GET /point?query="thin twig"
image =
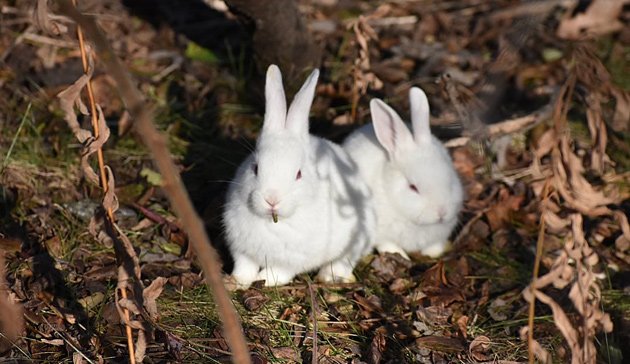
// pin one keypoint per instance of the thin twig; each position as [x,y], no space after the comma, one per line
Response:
[314,310]
[101,167]
[539,252]
[173,186]
[68,341]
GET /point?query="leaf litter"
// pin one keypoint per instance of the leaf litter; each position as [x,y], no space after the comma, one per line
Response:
[469,306]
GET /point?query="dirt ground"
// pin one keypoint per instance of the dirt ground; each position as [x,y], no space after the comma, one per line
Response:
[532,99]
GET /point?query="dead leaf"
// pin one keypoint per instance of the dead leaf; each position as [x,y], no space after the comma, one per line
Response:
[150,295]
[501,213]
[601,17]
[42,19]
[67,99]
[434,315]
[254,299]
[141,346]
[462,325]
[499,309]
[479,347]
[442,344]
[370,305]
[388,267]
[621,118]
[92,146]
[377,347]
[541,353]
[286,353]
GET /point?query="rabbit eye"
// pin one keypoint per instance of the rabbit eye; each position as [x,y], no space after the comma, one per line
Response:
[255,169]
[413,188]
[298,175]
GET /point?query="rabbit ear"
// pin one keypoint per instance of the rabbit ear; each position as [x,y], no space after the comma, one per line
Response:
[419,115]
[275,101]
[390,130]
[297,118]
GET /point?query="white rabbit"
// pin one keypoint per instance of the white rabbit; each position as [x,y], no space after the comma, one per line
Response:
[417,192]
[297,203]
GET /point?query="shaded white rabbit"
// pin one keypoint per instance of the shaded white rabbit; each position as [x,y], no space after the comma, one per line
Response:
[297,203]
[416,190]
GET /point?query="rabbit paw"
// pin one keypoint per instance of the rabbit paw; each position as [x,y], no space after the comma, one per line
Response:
[393,249]
[337,272]
[274,276]
[436,250]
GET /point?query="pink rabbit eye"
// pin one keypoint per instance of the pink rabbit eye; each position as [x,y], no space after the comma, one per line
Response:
[298,175]
[255,169]
[413,188]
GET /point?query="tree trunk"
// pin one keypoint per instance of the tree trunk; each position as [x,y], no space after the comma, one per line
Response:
[279,36]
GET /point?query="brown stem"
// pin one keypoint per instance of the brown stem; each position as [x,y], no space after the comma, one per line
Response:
[101,168]
[173,186]
[539,252]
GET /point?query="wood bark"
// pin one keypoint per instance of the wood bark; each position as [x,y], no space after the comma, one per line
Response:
[279,36]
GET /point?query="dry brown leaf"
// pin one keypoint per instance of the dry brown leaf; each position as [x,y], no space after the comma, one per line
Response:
[42,19]
[150,295]
[110,200]
[254,299]
[141,346]
[377,347]
[541,353]
[621,119]
[554,222]
[478,348]
[563,323]
[547,141]
[67,99]
[441,344]
[92,146]
[286,353]
[597,128]
[601,17]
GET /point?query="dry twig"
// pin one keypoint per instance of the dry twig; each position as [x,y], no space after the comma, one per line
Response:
[173,185]
[539,253]
[103,177]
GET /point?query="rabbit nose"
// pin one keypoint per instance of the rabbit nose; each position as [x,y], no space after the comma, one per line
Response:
[271,200]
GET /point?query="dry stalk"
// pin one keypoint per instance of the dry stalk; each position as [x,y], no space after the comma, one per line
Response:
[173,186]
[539,253]
[315,311]
[103,176]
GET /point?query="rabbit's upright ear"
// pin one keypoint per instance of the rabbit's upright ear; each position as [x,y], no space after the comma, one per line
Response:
[390,130]
[275,101]
[419,115]
[297,118]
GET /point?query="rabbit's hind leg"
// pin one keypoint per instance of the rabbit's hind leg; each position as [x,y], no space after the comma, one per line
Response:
[244,272]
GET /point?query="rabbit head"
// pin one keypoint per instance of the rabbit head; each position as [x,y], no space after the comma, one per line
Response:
[280,174]
[419,178]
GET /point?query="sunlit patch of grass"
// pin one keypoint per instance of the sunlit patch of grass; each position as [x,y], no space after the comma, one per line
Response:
[188,313]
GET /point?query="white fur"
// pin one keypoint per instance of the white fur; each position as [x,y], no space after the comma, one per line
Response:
[324,220]
[390,158]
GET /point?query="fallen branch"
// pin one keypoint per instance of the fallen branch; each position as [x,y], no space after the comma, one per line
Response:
[173,186]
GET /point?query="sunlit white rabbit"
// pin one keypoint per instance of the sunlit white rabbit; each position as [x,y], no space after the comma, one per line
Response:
[297,203]
[416,190]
